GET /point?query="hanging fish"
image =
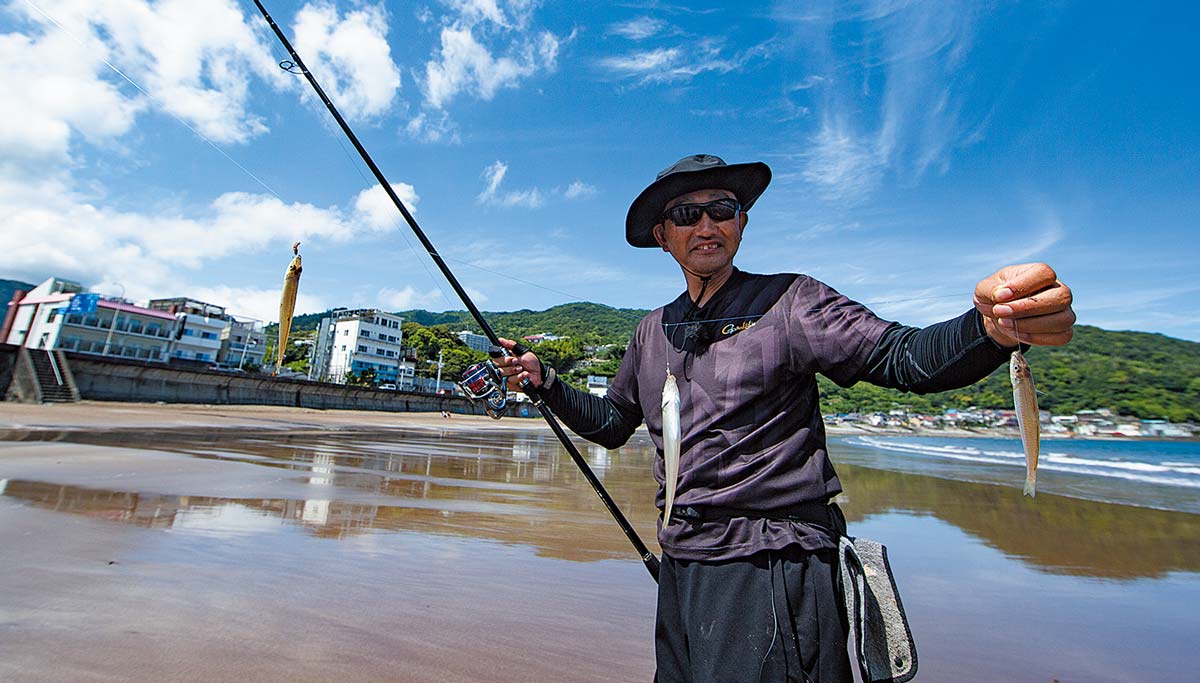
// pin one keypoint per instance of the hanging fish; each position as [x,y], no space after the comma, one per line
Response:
[671,438]
[287,303]
[1025,402]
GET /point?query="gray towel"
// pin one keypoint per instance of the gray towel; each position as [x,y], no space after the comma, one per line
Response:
[882,640]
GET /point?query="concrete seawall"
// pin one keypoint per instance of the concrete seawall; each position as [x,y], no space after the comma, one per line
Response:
[117,379]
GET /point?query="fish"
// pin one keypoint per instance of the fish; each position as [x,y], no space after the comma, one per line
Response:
[1025,402]
[671,438]
[287,303]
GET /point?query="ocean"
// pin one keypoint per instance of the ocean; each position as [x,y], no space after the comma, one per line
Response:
[1163,475]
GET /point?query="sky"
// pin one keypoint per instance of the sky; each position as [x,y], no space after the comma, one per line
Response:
[156,149]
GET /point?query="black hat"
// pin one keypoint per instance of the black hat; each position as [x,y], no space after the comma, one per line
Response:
[696,172]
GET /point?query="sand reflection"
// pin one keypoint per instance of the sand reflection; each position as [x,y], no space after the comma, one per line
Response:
[521,488]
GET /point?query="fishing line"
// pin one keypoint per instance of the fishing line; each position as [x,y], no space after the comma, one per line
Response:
[291,67]
[295,69]
[162,107]
[648,558]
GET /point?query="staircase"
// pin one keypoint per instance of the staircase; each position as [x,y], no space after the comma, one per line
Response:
[52,375]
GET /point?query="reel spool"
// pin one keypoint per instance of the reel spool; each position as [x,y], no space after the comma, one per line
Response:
[483,382]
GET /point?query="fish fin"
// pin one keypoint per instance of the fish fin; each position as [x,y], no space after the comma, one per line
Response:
[1030,484]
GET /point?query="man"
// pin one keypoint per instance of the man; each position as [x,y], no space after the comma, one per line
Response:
[747,584]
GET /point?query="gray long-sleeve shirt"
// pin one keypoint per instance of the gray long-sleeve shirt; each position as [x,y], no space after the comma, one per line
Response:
[752,434]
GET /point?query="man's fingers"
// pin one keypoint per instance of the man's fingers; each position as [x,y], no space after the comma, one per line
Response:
[1053,323]
[1026,279]
[1053,299]
[1014,282]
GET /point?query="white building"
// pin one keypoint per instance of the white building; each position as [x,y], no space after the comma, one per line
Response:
[358,341]
[243,342]
[198,328]
[58,315]
[475,341]
[598,384]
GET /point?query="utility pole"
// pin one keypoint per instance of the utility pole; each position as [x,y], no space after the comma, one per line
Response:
[108,339]
[437,387]
[251,341]
[116,308]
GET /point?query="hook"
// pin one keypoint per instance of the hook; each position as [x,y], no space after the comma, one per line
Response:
[291,67]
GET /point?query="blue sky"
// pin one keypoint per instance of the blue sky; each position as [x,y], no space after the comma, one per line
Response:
[916,148]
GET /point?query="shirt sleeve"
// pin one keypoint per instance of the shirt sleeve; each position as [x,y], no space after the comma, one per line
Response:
[949,355]
[830,333]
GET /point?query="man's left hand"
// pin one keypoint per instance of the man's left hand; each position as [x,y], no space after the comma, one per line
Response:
[1025,304]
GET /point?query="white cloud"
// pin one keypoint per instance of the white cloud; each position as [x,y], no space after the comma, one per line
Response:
[433,127]
[260,304]
[409,297]
[52,91]
[494,175]
[350,57]
[579,190]
[915,51]
[194,58]
[464,64]
[377,209]
[47,228]
[843,166]
[667,65]
[640,28]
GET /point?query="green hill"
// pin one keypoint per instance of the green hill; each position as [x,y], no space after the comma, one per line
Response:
[588,322]
[1133,373]
[7,287]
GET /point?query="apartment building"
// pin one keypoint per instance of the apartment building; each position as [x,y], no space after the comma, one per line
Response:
[198,328]
[57,314]
[355,341]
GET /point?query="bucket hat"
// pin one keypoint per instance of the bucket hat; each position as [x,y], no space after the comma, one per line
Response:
[691,173]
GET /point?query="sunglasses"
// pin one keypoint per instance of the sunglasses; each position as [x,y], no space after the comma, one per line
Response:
[689,214]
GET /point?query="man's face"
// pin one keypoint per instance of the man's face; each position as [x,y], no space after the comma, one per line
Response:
[708,247]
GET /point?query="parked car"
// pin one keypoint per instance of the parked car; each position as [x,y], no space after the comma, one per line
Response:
[387,386]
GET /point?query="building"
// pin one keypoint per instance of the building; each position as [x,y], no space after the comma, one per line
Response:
[207,333]
[57,314]
[198,328]
[355,341]
[243,342]
[545,336]
[475,341]
[598,384]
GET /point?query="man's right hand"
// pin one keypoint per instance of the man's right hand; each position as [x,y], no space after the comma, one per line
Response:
[517,369]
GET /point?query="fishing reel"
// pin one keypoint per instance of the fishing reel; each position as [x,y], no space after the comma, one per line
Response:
[483,382]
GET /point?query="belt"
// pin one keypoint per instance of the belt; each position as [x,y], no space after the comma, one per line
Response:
[815,512]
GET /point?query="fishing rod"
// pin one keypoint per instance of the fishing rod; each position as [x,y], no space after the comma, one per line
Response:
[486,374]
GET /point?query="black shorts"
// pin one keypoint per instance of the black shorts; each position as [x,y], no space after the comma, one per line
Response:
[772,616]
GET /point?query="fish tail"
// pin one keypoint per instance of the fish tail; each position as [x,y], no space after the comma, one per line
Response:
[1030,485]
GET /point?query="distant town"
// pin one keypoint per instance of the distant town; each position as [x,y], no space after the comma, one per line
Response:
[352,344]
[1084,424]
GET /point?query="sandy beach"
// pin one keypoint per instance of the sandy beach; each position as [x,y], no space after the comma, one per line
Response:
[202,543]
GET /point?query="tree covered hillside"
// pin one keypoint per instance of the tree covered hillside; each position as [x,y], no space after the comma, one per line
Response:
[1133,373]
[8,287]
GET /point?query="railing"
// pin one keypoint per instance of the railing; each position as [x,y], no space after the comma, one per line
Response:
[97,348]
[54,367]
[121,326]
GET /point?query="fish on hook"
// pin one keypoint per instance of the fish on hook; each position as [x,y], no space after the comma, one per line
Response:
[671,438]
[287,303]
[1026,405]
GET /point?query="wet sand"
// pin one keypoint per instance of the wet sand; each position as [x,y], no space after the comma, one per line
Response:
[207,543]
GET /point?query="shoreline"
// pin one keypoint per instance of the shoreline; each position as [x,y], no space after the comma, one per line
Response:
[109,415]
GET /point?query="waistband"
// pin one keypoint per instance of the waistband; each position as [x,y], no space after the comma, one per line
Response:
[815,512]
